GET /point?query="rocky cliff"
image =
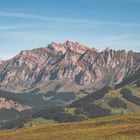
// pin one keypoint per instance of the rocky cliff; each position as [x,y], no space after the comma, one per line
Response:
[70,61]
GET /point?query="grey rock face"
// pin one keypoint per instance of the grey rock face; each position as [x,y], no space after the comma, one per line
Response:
[69,60]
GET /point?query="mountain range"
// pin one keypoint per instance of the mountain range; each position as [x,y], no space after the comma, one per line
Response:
[68,61]
[82,81]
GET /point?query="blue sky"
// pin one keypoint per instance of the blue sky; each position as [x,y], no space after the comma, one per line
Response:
[27,24]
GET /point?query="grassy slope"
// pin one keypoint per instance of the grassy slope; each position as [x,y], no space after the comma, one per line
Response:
[115,93]
[124,127]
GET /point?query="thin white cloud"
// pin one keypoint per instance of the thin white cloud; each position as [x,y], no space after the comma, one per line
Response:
[23,35]
[5,27]
[39,17]
[80,22]
[13,27]
[121,24]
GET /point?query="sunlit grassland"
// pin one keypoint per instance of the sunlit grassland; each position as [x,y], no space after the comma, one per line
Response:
[135,90]
[117,127]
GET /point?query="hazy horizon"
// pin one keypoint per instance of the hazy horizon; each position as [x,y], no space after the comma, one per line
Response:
[29,24]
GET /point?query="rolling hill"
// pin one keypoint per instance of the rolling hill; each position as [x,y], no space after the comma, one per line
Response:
[120,127]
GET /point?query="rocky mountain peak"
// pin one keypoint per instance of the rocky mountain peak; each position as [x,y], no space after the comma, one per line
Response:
[69,46]
[1,61]
[57,47]
[69,60]
[75,46]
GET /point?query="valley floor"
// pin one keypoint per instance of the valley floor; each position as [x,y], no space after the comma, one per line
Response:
[117,127]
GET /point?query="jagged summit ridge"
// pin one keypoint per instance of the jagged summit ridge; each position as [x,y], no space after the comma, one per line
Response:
[69,60]
[69,45]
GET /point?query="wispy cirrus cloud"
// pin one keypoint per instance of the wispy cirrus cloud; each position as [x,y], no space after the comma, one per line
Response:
[38,17]
[13,27]
[82,22]
[5,27]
